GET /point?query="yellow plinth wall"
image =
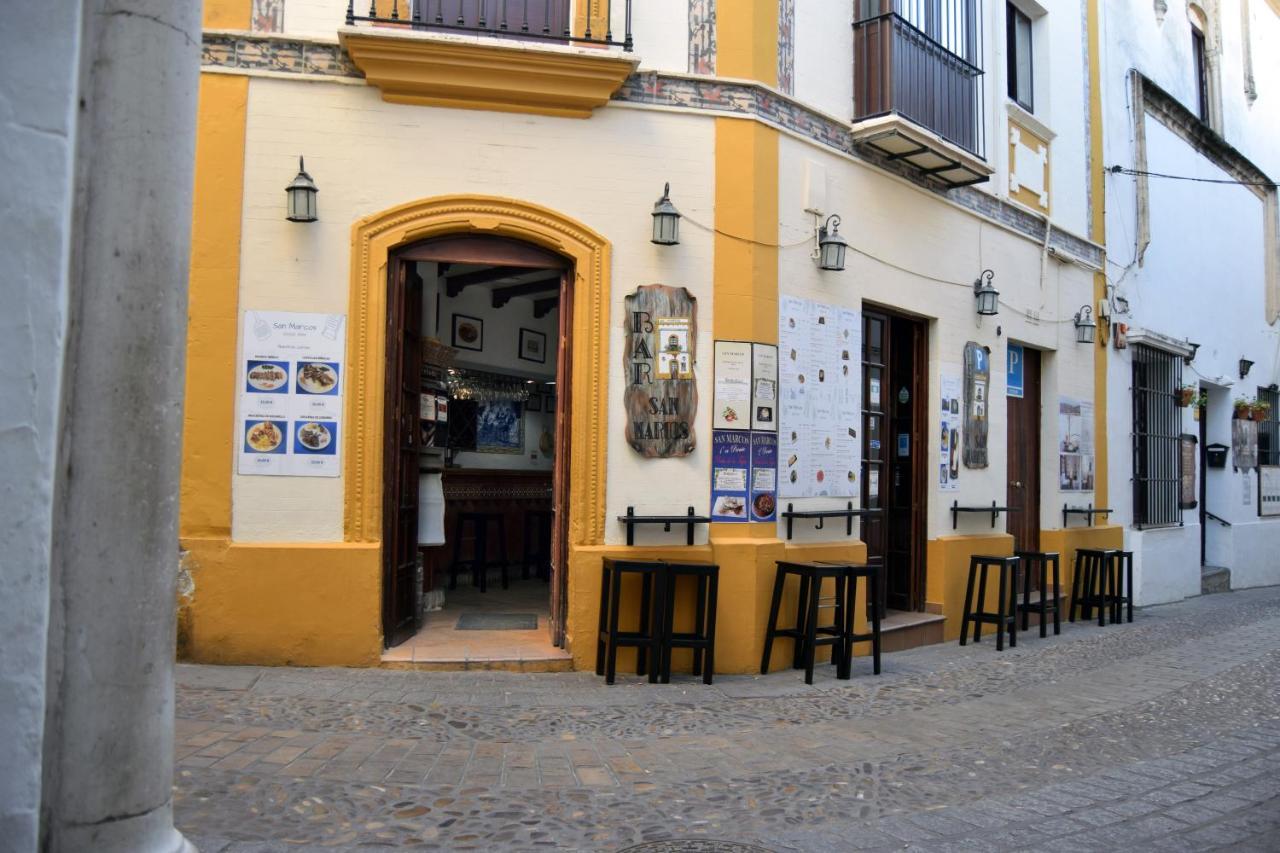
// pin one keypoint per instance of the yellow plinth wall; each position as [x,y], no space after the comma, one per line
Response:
[747,564]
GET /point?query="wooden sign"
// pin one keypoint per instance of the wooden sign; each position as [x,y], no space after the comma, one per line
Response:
[977,399]
[661,395]
[1187,494]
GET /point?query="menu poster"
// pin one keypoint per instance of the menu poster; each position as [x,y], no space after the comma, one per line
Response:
[820,399]
[1075,445]
[290,407]
[949,412]
[1268,489]
[730,473]
[764,387]
[977,382]
[732,385]
[764,476]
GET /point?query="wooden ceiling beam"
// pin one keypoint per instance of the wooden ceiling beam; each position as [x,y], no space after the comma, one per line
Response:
[503,295]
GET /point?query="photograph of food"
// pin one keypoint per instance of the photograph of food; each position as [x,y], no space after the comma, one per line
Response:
[267,376]
[820,475]
[730,505]
[852,477]
[729,414]
[263,436]
[317,377]
[314,436]
[794,476]
[763,505]
[791,461]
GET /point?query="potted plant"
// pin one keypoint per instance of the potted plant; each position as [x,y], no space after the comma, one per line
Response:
[1198,402]
[1259,409]
[1243,408]
[1185,395]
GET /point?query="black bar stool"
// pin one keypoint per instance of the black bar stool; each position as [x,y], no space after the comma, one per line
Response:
[1006,615]
[1124,586]
[647,638]
[706,577]
[479,562]
[1094,584]
[537,543]
[1039,561]
[807,633]
[871,576]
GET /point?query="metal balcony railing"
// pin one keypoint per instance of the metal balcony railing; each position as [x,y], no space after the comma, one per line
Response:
[536,20]
[919,59]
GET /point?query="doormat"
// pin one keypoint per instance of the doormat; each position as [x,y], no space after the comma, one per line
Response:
[497,622]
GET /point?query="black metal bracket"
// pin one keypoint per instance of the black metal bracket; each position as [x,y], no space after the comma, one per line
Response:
[995,511]
[1088,512]
[820,515]
[688,519]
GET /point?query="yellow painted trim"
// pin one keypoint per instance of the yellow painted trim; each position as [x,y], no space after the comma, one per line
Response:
[205,506]
[1275,6]
[1024,195]
[746,254]
[1098,234]
[227,14]
[599,20]
[947,573]
[422,69]
[747,40]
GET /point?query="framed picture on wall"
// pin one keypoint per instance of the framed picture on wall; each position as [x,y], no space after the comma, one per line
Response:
[468,332]
[534,403]
[533,346]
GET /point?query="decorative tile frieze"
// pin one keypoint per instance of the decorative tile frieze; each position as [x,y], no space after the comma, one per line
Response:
[702,36]
[787,46]
[242,51]
[267,16]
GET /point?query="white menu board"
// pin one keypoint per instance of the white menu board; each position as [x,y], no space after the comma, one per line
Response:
[291,378]
[732,397]
[820,386]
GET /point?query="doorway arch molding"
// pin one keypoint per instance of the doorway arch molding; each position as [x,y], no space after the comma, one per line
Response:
[373,239]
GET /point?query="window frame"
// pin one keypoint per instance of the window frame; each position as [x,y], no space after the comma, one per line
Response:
[1013,18]
[1269,429]
[1200,63]
[1157,436]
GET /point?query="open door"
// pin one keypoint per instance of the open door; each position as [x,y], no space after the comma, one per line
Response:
[1023,453]
[563,448]
[400,451]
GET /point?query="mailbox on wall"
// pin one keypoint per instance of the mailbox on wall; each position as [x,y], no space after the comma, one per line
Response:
[1216,454]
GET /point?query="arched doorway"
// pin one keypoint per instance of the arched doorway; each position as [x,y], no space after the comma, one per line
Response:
[384,242]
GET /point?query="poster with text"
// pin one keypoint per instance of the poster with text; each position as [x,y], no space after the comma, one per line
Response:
[732,397]
[764,476]
[764,387]
[820,399]
[730,474]
[290,406]
[1075,445]
[950,402]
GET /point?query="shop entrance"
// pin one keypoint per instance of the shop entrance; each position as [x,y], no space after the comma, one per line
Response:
[476,473]
[894,427]
[1023,454]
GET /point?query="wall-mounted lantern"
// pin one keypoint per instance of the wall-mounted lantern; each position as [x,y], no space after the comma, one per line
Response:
[301,196]
[1194,347]
[666,220]
[1245,366]
[985,294]
[831,246]
[1086,328]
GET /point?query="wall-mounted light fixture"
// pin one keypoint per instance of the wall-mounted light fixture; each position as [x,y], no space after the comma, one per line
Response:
[1245,366]
[666,220]
[301,196]
[1086,328]
[985,294]
[831,246]
[1194,348]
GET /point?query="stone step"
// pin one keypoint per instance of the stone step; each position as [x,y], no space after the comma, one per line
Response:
[1214,579]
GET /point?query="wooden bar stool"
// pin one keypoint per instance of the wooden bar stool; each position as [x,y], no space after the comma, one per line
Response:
[807,633]
[871,576]
[1094,584]
[1039,561]
[1006,616]
[647,638]
[537,544]
[479,562]
[1124,586]
[706,577]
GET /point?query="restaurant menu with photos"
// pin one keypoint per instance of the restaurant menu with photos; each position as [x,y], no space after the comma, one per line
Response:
[820,385]
[744,441]
[291,384]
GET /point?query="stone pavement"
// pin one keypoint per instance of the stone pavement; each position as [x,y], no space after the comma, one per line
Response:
[1160,735]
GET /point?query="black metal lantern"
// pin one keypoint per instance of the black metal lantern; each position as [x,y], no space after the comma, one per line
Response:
[831,246]
[666,220]
[1194,347]
[986,296]
[301,196]
[1086,328]
[1245,366]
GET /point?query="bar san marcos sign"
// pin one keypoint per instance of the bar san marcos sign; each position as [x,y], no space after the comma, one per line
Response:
[658,363]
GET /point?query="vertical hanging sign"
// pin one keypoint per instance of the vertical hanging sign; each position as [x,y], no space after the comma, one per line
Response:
[661,395]
[730,474]
[1013,382]
[744,462]
[977,385]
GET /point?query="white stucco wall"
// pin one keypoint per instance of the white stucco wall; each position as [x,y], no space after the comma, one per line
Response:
[1202,276]
[367,155]
[38,83]
[824,56]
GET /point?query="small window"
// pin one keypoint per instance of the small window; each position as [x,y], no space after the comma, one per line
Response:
[1202,73]
[1157,428]
[1018,33]
[1269,430]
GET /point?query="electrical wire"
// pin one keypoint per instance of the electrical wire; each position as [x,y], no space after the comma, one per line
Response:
[1124,170]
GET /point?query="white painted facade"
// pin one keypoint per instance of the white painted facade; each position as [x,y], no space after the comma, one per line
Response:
[1204,275]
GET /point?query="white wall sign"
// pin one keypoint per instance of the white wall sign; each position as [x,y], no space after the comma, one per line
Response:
[291,378]
[732,370]
[1268,489]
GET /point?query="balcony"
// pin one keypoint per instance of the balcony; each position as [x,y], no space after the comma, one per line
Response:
[918,88]
[549,57]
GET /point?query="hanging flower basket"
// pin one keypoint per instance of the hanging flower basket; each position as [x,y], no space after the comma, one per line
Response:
[1259,410]
[1243,409]
[1184,396]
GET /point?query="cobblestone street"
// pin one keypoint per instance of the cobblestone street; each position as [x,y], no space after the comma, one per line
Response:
[1159,735]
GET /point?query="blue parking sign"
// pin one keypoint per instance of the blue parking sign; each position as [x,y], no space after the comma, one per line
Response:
[1014,381]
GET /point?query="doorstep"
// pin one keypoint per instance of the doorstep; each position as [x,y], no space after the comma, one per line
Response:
[901,630]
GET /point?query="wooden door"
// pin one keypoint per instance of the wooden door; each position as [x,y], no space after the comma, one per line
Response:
[560,479]
[875,342]
[400,451]
[905,497]
[1023,454]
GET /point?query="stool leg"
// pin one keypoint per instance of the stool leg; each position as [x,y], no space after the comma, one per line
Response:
[611,658]
[1103,578]
[1057,600]
[1042,566]
[709,663]
[772,624]
[1128,563]
[1014,571]
[811,629]
[1000,605]
[699,619]
[1086,604]
[843,650]
[980,613]
[604,618]
[802,605]
[875,621]
[658,628]
[968,603]
[647,583]
[1075,590]
[455,564]
[668,625]
[1026,597]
